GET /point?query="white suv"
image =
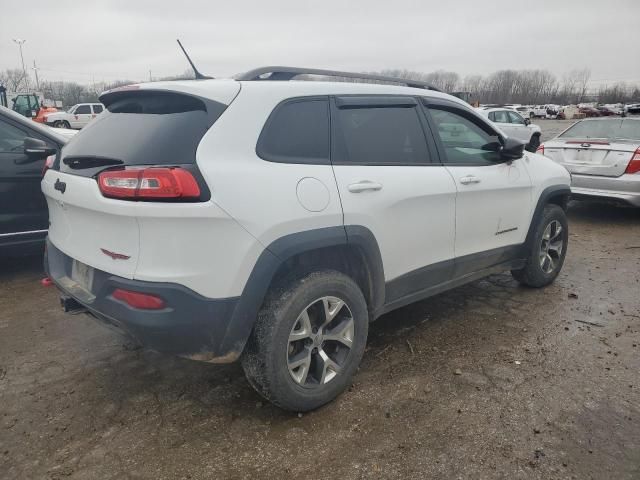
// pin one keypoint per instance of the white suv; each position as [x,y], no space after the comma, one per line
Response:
[270,220]
[514,125]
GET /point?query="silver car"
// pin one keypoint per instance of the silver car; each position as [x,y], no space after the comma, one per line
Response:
[603,156]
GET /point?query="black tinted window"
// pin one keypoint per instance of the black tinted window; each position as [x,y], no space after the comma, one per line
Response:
[297,132]
[464,140]
[83,109]
[97,109]
[380,136]
[142,128]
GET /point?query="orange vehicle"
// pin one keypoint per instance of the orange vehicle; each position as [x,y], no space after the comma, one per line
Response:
[30,105]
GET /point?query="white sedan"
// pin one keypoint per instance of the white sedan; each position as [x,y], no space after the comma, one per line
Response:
[514,125]
[76,117]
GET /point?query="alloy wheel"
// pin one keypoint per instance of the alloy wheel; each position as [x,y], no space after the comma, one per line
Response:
[551,247]
[320,342]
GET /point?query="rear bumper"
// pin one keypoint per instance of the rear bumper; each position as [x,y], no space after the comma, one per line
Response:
[625,188]
[190,326]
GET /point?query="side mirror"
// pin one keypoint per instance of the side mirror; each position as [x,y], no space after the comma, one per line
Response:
[34,150]
[512,149]
[527,121]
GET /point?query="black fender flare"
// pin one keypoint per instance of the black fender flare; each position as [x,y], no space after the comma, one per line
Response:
[543,199]
[283,249]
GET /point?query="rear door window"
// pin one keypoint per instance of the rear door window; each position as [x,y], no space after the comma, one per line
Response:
[297,131]
[380,135]
[97,109]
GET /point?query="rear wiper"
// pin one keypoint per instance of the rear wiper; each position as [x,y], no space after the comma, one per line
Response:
[78,163]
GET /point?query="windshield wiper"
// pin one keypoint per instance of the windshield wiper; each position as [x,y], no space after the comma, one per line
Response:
[78,163]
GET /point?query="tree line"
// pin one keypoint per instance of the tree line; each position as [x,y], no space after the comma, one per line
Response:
[504,86]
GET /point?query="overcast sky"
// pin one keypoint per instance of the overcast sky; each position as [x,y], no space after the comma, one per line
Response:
[124,39]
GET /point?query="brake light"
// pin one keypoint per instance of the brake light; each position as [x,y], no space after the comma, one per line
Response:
[540,149]
[148,183]
[48,163]
[634,163]
[143,301]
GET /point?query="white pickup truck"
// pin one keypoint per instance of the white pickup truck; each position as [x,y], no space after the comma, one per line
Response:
[76,117]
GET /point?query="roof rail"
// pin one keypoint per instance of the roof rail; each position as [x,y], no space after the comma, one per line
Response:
[288,73]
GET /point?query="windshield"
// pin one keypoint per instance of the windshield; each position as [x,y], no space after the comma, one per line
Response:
[622,129]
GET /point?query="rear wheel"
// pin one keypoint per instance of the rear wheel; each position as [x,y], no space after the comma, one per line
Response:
[308,341]
[534,143]
[548,249]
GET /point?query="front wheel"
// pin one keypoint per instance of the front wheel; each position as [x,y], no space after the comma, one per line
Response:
[547,250]
[61,124]
[308,341]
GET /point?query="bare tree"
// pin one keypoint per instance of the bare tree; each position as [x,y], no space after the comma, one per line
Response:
[13,80]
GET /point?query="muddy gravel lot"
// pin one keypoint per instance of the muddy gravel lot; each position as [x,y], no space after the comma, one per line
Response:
[490,380]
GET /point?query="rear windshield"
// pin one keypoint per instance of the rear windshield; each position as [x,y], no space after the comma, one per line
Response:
[141,128]
[619,129]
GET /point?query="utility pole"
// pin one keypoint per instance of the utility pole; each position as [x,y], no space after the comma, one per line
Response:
[20,42]
[35,70]
[150,75]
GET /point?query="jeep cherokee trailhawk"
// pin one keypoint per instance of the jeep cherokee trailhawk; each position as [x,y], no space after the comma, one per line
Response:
[270,220]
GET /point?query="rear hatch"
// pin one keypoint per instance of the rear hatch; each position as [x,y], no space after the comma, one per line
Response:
[145,126]
[601,147]
[591,157]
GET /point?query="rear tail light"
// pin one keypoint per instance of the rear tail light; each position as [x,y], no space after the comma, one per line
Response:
[48,163]
[634,163]
[143,301]
[540,149]
[149,183]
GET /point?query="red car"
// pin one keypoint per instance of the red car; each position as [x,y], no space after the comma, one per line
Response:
[606,112]
[590,111]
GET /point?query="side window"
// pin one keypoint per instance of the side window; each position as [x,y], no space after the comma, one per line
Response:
[83,109]
[516,118]
[297,131]
[97,108]
[11,138]
[500,116]
[464,140]
[380,136]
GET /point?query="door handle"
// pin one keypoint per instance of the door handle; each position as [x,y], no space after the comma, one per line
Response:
[469,179]
[363,186]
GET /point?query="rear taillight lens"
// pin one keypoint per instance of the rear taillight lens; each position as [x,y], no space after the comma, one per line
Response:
[143,301]
[149,183]
[634,163]
[48,163]
[540,149]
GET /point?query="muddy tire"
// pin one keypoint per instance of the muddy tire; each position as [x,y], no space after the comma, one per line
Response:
[308,341]
[547,250]
[534,143]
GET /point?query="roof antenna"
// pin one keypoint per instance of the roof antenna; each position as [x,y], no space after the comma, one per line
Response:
[198,75]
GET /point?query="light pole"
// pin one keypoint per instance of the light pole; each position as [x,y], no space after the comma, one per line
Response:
[19,42]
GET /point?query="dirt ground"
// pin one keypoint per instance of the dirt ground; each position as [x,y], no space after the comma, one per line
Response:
[548,386]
